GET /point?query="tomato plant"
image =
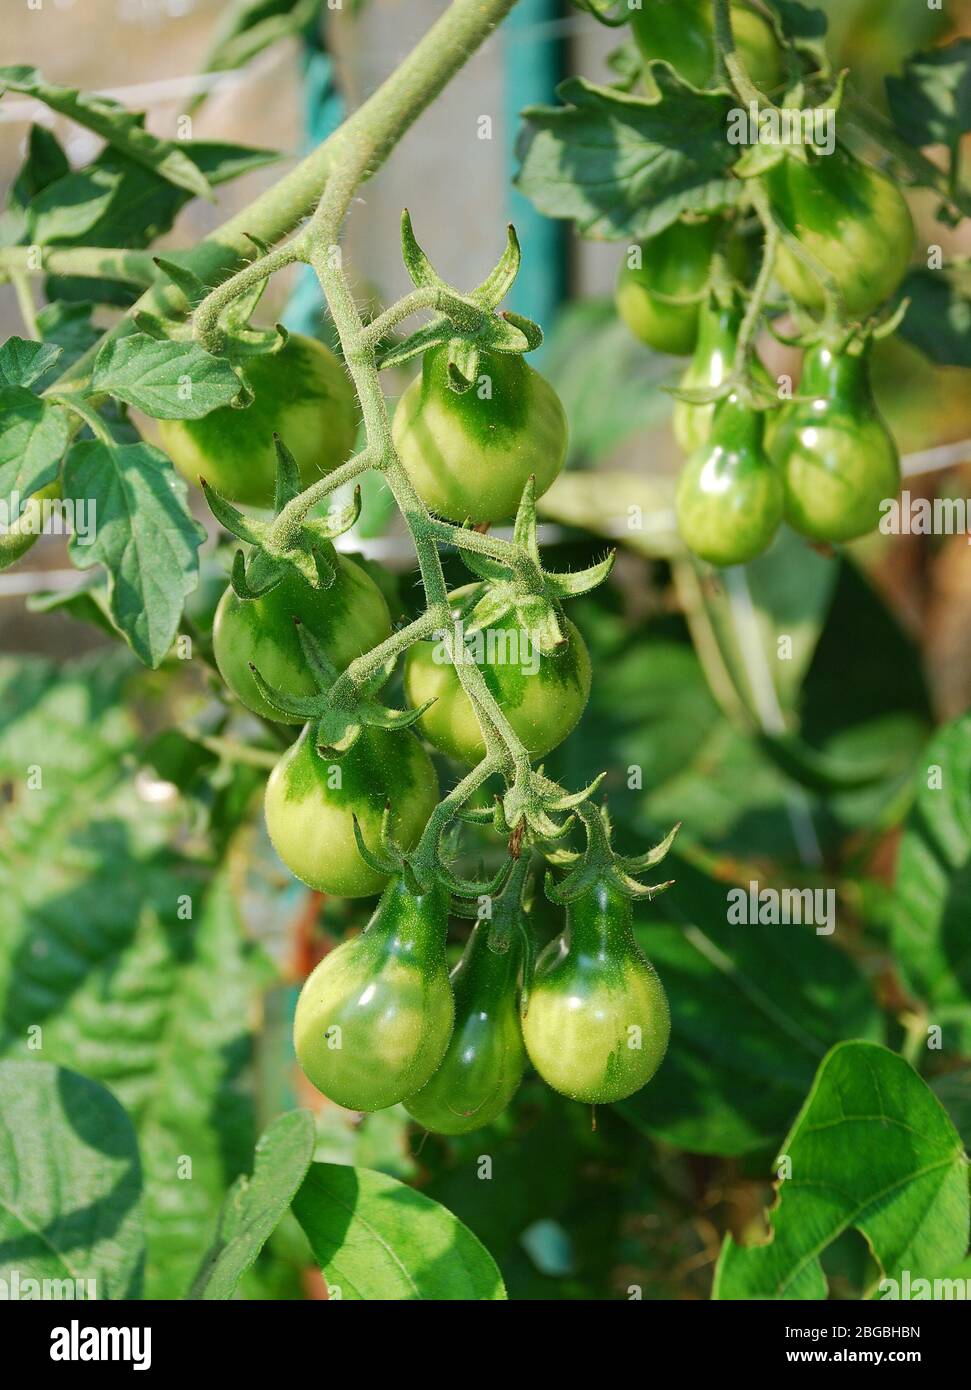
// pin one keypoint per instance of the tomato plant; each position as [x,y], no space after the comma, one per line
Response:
[682,33]
[660,298]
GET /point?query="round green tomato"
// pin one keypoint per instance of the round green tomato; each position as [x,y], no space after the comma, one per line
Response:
[300,393]
[660,299]
[311,803]
[597,1021]
[729,497]
[470,455]
[348,619]
[483,1066]
[838,460]
[851,220]
[374,1018]
[542,694]
[681,32]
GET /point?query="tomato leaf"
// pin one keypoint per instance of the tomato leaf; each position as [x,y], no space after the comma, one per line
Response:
[167,380]
[374,1238]
[254,1205]
[873,1150]
[22,362]
[33,437]
[70,1186]
[134,501]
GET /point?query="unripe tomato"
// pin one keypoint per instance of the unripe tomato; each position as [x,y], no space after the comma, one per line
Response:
[310,804]
[851,219]
[542,694]
[729,496]
[347,619]
[710,365]
[300,393]
[682,33]
[23,532]
[483,1066]
[675,266]
[837,459]
[597,1022]
[470,455]
[374,1018]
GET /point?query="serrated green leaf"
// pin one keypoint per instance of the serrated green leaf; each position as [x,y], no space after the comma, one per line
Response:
[167,380]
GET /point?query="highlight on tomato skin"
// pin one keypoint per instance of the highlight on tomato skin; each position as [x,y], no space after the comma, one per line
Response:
[682,33]
[375,1017]
[597,1021]
[483,1066]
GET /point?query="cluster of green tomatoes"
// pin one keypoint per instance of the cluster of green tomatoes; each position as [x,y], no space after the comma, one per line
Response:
[824,460]
[381,1020]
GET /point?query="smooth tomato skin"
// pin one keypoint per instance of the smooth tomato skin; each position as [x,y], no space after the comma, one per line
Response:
[470,455]
[483,1066]
[681,32]
[301,393]
[374,1018]
[348,619]
[310,822]
[543,708]
[850,218]
[837,459]
[729,498]
[675,263]
[597,1020]
[710,366]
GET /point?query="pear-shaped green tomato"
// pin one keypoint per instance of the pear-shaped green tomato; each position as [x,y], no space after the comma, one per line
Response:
[852,220]
[729,496]
[301,393]
[681,32]
[597,1020]
[542,694]
[660,298]
[481,1071]
[311,802]
[837,459]
[470,454]
[348,618]
[375,1017]
[718,329]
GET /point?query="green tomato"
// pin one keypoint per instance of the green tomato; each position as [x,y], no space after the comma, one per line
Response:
[542,694]
[347,619]
[483,1066]
[597,1021]
[729,496]
[300,393]
[681,32]
[837,459]
[660,300]
[470,455]
[375,1017]
[311,803]
[851,220]
[709,367]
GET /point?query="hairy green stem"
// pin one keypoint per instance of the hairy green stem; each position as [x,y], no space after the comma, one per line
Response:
[94,262]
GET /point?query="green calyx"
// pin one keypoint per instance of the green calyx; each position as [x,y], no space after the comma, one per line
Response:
[599,867]
[467,323]
[280,547]
[528,593]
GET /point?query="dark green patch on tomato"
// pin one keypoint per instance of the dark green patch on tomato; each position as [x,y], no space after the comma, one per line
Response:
[660,299]
[347,619]
[374,1018]
[301,393]
[542,694]
[470,454]
[311,803]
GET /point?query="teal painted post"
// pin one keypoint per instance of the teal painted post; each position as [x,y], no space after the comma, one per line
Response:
[534,41]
